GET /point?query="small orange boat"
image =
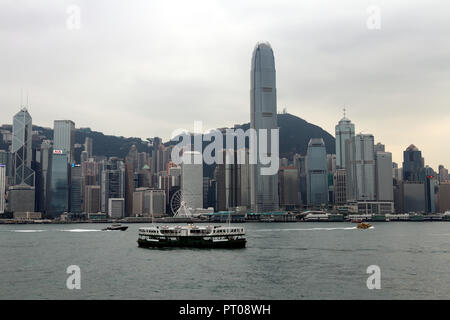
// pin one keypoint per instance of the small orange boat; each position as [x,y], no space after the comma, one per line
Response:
[363,225]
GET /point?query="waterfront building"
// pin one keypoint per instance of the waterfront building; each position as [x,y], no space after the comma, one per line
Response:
[21,198]
[22,135]
[131,166]
[232,181]
[372,207]
[263,115]
[156,202]
[316,173]
[431,188]
[340,187]
[6,160]
[64,138]
[192,179]
[42,178]
[289,194]
[413,164]
[300,164]
[444,197]
[112,181]
[116,208]
[412,197]
[360,168]
[76,187]
[92,203]
[345,130]
[384,181]
[58,192]
[2,187]
[147,202]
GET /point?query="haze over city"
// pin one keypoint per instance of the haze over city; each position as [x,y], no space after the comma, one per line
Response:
[146,69]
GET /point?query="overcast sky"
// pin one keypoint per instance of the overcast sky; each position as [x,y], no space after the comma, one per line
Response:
[145,68]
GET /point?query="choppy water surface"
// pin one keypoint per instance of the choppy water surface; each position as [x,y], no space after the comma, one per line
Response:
[281,261]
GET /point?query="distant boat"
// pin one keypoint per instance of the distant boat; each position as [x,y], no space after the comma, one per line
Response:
[363,225]
[116,227]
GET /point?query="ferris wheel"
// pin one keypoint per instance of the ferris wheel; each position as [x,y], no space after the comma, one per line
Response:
[178,206]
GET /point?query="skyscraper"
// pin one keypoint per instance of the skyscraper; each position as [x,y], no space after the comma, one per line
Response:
[112,182]
[192,180]
[317,173]
[345,130]
[21,149]
[46,154]
[88,147]
[58,193]
[76,195]
[443,174]
[289,194]
[360,166]
[413,164]
[263,115]
[384,180]
[64,137]
[2,187]
[92,199]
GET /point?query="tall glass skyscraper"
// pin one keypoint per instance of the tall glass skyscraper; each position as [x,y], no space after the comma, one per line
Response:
[263,115]
[317,173]
[21,149]
[58,193]
[413,164]
[64,137]
[345,130]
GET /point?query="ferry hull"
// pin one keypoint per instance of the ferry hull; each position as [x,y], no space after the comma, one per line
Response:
[193,243]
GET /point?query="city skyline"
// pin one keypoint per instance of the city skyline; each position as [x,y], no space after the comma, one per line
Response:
[126,86]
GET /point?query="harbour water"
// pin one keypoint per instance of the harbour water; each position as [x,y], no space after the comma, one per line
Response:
[281,261]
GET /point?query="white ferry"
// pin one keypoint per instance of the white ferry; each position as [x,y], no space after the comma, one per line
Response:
[192,236]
